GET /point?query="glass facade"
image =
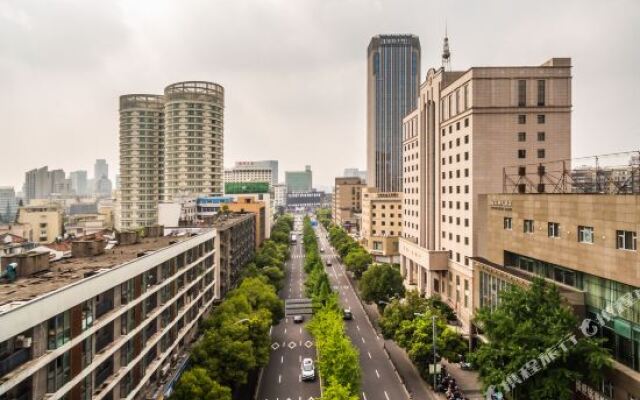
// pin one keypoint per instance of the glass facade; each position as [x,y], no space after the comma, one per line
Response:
[623,332]
[490,286]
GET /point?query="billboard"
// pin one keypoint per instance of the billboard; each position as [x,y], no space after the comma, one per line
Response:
[246,187]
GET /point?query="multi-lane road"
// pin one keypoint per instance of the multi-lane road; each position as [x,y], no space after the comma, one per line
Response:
[281,378]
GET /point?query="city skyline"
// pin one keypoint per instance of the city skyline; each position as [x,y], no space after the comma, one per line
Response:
[320,95]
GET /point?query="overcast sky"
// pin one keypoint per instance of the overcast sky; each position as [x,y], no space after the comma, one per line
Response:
[294,71]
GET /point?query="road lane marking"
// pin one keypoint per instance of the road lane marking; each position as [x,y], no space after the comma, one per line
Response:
[270,330]
[377,374]
[369,353]
[358,327]
[285,331]
[282,360]
[364,396]
[280,381]
[301,331]
[386,395]
[362,339]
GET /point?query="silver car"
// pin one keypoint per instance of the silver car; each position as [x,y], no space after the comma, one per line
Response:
[308,370]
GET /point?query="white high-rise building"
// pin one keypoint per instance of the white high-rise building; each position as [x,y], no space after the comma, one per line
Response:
[249,175]
[259,165]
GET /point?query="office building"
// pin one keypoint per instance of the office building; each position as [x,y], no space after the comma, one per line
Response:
[105,325]
[193,142]
[299,181]
[46,222]
[586,244]
[355,173]
[279,196]
[381,223]
[305,200]
[100,169]
[467,128]
[57,181]
[393,80]
[79,184]
[141,159]
[264,164]
[37,184]
[8,204]
[237,246]
[248,175]
[347,202]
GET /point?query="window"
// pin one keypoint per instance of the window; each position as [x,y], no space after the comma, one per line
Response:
[466,122]
[541,153]
[522,136]
[541,136]
[541,90]
[553,229]
[59,330]
[528,226]
[522,153]
[585,234]
[522,119]
[58,373]
[626,240]
[87,314]
[507,223]
[466,139]
[522,93]
[541,119]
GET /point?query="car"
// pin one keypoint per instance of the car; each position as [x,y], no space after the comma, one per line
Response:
[321,249]
[328,262]
[308,370]
[298,319]
[347,314]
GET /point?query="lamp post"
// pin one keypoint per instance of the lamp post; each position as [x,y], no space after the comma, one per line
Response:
[433,327]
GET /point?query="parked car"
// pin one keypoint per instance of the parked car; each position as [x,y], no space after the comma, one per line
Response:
[298,319]
[328,262]
[321,249]
[347,314]
[308,370]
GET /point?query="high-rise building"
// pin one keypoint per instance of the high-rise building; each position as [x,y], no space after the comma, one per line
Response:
[355,173]
[347,202]
[141,159]
[381,223]
[249,175]
[299,181]
[468,126]
[37,184]
[100,169]
[194,141]
[79,182]
[393,80]
[57,181]
[258,165]
[8,204]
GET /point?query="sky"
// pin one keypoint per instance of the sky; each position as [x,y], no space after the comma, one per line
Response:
[294,71]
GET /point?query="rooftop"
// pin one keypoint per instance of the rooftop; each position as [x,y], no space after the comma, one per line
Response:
[66,271]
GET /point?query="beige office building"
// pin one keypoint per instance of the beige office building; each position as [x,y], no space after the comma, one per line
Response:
[46,222]
[381,223]
[193,153]
[141,159]
[468,126]
[347,202]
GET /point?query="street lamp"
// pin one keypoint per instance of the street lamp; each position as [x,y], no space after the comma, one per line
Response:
[433,321]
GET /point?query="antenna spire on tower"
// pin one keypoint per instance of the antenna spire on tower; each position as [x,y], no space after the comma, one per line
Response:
[446,54]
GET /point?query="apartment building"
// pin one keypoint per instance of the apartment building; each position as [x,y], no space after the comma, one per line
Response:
[236,234]
[347,202]
[106,324]
[467,127]
[584,243]
[253,204]
[46,222]
[381,223]
[8,204]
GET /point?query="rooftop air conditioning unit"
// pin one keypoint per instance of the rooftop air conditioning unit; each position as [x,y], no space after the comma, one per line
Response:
[23,342]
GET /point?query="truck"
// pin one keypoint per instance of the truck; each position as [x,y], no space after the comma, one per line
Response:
[294,238]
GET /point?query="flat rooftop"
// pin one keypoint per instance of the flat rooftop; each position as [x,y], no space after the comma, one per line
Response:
[69,270]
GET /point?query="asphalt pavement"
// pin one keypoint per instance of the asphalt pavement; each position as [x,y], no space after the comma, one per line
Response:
[281,378]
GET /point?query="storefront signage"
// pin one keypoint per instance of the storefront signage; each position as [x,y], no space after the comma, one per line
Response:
[589,393]
[501,204]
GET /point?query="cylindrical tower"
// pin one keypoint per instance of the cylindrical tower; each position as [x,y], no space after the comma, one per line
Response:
[194,113]
[141,159]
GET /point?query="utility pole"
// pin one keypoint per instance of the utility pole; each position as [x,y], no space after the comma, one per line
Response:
[433,320]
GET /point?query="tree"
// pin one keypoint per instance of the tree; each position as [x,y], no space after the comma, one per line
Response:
[381,282]
[398,311]
[196,384]
[275,276]
[260,294]
[357,261]
[335,391]
[526,323]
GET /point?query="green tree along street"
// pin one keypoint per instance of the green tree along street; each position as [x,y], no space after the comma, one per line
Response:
[526,323]
[338,359]
[235,337]
[380,283]
[357,261]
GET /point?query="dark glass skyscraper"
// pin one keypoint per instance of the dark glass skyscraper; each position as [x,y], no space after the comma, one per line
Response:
[393,80]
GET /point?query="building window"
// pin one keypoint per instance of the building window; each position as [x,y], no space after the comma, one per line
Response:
[59,330]
[522,119]
[626,240]
[466,122]
[585,234]
[541,136]
[522,136]
[522,153]
[541,153]
[507,223]
[58,373]
[541,119]
[87,314]
[541,90]
[528,226]
[522,93]
[554,229]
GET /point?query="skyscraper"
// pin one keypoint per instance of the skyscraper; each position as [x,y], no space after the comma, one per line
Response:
[79,182]
[37,184]
[299,181]
[393,79]
[141,159]
[100,169]
[193,139]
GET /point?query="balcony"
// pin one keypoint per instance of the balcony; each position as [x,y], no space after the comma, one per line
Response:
[14,360]
[104,307]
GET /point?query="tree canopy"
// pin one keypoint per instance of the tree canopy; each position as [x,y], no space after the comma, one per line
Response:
[381,282]
[196,384]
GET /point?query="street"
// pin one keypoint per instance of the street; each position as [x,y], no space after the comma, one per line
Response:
[379,381]
[281,378]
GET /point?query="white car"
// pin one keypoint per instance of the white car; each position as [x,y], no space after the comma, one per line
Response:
[308,370]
